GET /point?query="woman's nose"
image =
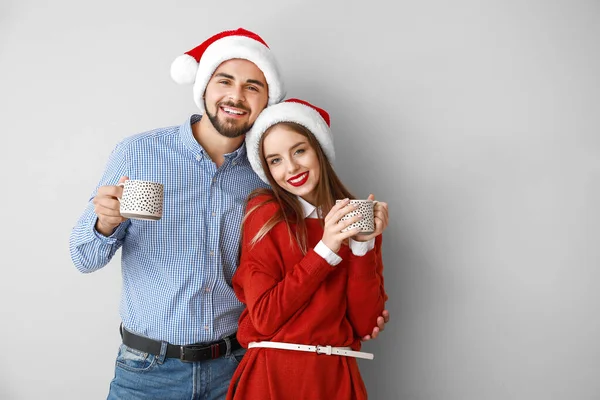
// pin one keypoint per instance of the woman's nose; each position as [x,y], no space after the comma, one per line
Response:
[292,166]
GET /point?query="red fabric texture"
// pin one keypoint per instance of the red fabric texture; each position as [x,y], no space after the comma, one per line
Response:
[198,51]
[324,114]
[296,298]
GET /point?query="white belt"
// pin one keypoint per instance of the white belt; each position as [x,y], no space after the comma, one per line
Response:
[338,351]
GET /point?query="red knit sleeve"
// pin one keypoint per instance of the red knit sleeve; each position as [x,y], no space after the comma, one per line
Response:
[272,296]
[366,295]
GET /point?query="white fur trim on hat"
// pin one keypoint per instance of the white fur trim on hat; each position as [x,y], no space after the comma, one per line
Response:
[287,112]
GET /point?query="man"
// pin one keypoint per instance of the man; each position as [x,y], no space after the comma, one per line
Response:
[179,313]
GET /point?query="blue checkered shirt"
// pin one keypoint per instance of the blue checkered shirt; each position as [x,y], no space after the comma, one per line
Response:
[176,271]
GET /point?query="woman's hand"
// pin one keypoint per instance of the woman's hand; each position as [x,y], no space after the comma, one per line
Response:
[332,231]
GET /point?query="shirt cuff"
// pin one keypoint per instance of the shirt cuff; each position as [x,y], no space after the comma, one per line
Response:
[118,234]
[327,254]
[361,248]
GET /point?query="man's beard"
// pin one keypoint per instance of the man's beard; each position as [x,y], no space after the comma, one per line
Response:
[228,129]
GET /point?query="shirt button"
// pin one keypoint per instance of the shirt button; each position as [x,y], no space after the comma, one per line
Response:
[205,327]
[198,157]
[234,163]
[212,253]
[214,179]
[207,289]
[213,214]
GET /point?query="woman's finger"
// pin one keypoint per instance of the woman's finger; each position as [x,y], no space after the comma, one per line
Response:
[347,222]
[350,233]
[339,214]
[336,207]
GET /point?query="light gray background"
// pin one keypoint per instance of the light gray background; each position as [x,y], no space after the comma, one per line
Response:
[478,121]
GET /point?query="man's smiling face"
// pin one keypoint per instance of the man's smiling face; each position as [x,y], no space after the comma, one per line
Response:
[235,95]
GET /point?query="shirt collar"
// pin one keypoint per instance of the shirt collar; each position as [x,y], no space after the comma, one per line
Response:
[239,152]
[309,209]
[187,136]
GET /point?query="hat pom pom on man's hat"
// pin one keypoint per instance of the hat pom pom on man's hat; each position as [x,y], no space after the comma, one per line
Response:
[184,69]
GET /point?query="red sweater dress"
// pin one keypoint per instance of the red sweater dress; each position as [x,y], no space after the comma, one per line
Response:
[296,298]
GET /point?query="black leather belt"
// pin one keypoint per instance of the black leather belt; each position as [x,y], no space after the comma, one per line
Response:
[190,353]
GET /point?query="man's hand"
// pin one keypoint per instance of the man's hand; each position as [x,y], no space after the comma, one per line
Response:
[107,208]
[381,321]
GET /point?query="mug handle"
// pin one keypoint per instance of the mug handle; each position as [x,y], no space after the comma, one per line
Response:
[122,184]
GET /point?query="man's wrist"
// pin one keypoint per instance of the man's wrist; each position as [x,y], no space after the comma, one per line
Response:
[103,229]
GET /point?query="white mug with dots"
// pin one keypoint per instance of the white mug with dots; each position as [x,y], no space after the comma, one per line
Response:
[364,208]
[142,200]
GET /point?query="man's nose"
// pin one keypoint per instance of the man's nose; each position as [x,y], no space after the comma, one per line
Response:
[237,93]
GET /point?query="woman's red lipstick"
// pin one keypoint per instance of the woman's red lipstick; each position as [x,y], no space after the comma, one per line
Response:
[301,182]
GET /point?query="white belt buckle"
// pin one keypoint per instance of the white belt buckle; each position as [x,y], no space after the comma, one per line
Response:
[327,350]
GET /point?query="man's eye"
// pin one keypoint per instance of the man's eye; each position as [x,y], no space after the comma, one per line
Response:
[252,88]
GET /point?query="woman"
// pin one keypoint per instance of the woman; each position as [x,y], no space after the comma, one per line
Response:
[310,297]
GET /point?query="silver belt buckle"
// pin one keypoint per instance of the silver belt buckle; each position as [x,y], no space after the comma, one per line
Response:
[327,349]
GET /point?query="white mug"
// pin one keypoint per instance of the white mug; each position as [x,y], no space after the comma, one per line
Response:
[365,208]
[142,200]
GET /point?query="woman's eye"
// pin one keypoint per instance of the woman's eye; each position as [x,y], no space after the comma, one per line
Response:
[273,161]
[299,151]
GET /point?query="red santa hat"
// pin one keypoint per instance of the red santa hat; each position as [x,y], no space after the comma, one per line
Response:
[198,65]
[313,118]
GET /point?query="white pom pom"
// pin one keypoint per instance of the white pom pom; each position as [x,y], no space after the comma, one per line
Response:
[183,69]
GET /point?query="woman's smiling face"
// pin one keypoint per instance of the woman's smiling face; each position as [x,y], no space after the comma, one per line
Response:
[292,161]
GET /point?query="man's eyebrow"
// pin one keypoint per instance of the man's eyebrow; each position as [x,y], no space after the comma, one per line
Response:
[254,81]
[224,75]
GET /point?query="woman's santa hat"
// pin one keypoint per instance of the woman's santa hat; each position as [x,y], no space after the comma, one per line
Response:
[313,118]
[198,65]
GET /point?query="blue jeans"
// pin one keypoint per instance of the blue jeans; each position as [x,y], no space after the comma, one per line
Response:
[146,376]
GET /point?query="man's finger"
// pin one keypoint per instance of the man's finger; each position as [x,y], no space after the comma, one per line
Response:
[109,191]
[107,207]
[381,323]
[386,316]
[375,333]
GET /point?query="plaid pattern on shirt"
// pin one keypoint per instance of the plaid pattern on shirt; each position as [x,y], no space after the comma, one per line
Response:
[176,271]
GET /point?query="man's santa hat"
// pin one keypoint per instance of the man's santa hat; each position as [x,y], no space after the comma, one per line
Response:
[198,65]
[313,118]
